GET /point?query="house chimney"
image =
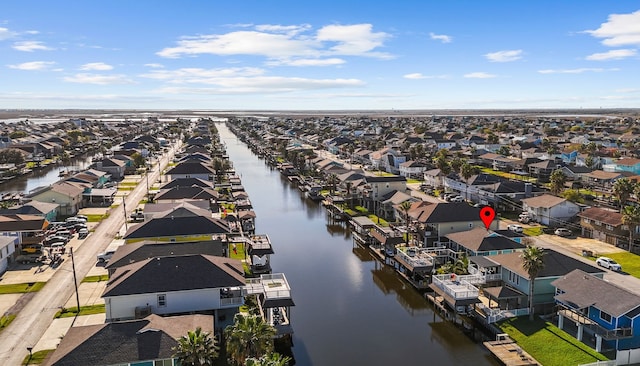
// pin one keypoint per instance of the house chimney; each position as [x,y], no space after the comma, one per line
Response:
[528,189]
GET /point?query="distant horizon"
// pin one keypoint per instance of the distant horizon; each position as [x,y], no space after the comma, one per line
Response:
[320,56]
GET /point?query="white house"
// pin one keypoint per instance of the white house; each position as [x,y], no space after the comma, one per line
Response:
[8,246]
[550,210]
[175,285]
[412,169]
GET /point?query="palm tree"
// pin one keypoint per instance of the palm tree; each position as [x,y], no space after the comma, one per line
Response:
[532,262]
[467,171]
[442,164]
[332,181]
[557,179]
[631,218]
[249,336]
[273,359]
[197,348]
[622,190]
[349,185]
[405,206]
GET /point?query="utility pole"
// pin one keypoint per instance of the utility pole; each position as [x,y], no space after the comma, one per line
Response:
[75,281]
[124,207]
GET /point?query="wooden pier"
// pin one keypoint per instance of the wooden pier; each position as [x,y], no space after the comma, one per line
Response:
[509,353]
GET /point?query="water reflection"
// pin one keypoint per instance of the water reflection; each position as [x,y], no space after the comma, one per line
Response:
[45,176]
[350,309]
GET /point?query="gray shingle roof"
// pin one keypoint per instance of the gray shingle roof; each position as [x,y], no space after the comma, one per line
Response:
[169,226]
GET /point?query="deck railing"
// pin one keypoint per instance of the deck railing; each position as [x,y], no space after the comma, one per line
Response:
[457,289]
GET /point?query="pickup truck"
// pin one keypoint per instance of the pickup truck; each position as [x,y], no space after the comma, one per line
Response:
[30,258]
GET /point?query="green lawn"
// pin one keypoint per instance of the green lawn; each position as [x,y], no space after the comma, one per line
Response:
[378,220]
[506,175]
[99,278]
[411,180]
[630,262]
[21,288]
[96,218]
[5,320]
[84,310]
[532,231]
[239,253]
[37,358]
[362,210]
[547,343]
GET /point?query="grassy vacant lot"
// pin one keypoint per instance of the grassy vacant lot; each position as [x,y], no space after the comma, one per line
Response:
[630,262]
[547,343]
[38,357]
[98,278]
[96,217]
[84,310]
[532,231]
[21,288]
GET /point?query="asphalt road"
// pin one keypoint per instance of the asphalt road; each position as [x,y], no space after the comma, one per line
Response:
[34,319]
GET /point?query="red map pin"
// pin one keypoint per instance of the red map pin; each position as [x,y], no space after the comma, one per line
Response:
[487,214]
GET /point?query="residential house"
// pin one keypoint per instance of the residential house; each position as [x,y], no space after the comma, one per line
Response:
[191,169]
[437,220]
[516,279]
[434,178]
[604,225]
[67,195]
[148,341]
[377,189]
[115,167]
[550,210]
[178,224]
[178,193]
[481,242]
[187,182]
[631,165]
[602,310]
[175,285]
[8,246]
[47,210]
[142,250]
[543,170]
[412,169]
[29,229]
[602,180]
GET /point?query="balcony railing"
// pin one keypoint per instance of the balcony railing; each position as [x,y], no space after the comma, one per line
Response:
[231,301]
[457,289]
[608,334]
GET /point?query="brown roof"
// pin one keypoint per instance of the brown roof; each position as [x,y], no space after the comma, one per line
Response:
[19,223]
[545,200]
[605,216]
[601,174]
[627,161]
[68,188]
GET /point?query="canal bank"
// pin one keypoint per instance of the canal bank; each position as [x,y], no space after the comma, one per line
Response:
[350,308]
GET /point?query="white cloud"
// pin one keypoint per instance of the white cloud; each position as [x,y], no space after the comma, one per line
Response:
[619,30]
[265,84]
[575,71]
[441,37]
[308,62]
[5,33]
[504,56]
[295,43]
[30,46]
[32,66]
[479,75]
[32,32]
[85,78]
[627,90]
[612,55]
[202,76]
[96,66]
[417,76]
[154,66]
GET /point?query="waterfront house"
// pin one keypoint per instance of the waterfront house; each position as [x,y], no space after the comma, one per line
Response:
[147,341]
[602,310]
[187,182]
[175,285]
[482,242]
[142,250]
[67,195]
[517,280]
[191,169]
[604,225]
[181,223]
[8,246]
[115,167]
[550,210]
[437,220]
[189,193]
[45,209]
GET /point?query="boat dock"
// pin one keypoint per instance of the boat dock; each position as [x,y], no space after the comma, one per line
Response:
[508,352]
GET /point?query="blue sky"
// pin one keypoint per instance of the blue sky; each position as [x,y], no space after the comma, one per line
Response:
[275,55]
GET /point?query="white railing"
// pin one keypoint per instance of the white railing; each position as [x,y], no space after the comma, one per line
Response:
[458,290]
[499,314]
[600,363]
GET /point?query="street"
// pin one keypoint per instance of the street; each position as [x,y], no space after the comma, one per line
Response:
[34,319]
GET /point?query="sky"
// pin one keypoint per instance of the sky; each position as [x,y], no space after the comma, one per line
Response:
[319,55]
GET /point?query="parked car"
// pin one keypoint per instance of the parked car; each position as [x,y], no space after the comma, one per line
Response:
[55,239]
[524,218]
[561,231]
[456,199]
[515,228]
[105,256]
[83,233]
[609,263]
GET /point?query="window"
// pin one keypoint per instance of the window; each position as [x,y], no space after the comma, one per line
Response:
[162,300]
[604,316]
[609,227]
[168,362]
[597,222]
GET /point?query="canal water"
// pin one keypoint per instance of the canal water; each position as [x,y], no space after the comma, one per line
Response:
[350,309]
[45,176]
